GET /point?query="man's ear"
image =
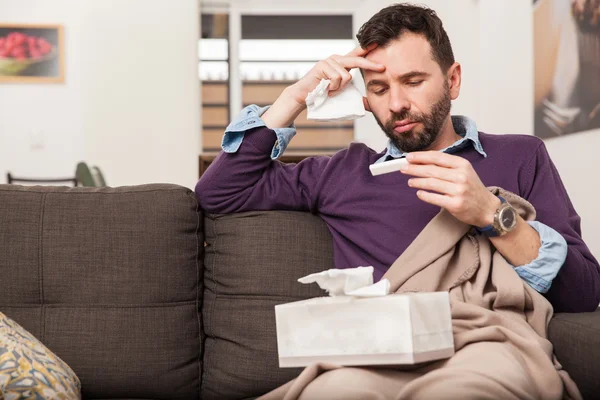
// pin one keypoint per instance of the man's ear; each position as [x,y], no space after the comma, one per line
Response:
[365,101]
[454,80]
[366,104]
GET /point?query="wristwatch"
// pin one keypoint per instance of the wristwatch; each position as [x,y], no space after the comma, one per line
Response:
[505,220]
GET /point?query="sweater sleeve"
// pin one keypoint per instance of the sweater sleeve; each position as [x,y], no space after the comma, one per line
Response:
[576,288]
[249,180]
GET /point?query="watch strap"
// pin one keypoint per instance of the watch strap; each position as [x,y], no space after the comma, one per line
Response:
[489,230]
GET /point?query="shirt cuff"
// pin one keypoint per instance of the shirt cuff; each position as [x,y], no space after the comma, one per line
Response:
[249,118]
[552,255]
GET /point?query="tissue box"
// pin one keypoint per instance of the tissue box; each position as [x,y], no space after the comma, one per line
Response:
[352,331]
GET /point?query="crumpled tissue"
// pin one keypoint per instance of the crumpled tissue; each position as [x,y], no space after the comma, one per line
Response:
[346,105]
[356,282]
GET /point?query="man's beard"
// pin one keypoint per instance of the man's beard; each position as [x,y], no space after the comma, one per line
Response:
[414,140]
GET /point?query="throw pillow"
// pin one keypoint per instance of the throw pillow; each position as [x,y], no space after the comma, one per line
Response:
[29,370]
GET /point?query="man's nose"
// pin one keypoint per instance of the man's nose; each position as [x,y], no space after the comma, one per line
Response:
[399,102]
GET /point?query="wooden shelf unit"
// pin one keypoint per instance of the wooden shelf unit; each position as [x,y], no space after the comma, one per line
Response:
[312,137]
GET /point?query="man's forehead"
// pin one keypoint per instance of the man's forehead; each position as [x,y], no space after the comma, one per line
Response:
[409,52]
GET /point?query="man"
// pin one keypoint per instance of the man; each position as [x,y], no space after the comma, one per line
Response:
[411,77]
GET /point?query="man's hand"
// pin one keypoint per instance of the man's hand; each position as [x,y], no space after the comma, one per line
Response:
[335,68]
[451,182]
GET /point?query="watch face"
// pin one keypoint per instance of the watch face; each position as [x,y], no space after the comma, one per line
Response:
[508,218]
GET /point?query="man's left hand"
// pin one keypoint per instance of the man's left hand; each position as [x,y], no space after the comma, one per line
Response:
[451,182]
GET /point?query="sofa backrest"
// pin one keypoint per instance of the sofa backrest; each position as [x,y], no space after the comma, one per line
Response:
[252,263]
[110,280]
[115,282]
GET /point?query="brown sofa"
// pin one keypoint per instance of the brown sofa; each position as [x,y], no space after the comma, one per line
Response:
[147,298]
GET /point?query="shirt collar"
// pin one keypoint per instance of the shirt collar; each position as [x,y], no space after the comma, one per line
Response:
[464,127]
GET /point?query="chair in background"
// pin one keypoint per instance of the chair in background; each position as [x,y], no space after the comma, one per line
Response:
[84,175]
[98,176]
[10,179]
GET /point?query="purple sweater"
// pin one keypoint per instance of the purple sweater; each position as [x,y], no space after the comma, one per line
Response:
[374,219]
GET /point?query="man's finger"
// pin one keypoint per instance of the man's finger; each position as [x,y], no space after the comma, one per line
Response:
[433,185]
[360,52]
[331,74]
[435,199]
[346,77]
[435,157]
[360,62]
[429,171]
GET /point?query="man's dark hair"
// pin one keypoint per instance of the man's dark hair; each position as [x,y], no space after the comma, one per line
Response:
[391,22]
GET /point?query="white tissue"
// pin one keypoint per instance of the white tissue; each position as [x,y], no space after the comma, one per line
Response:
[356,282]
[346,105]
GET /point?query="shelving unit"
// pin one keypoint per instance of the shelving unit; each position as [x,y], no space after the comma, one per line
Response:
[262,86]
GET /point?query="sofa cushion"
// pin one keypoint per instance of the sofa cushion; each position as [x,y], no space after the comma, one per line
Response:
[576,340]
[28,369]
[109,279]
[252,263]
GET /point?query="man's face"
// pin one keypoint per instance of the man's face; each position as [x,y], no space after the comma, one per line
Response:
[411,98]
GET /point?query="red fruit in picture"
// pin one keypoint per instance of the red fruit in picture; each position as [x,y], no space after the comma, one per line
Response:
[44,46]
[18,51]
[22,47]
[45,49]
[35,54]
[19,39]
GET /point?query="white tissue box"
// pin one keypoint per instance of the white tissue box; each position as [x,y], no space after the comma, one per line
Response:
[345,330]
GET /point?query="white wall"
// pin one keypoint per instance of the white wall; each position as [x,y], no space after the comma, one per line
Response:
[576,158]
[141,101]
[41,131]
[131,101]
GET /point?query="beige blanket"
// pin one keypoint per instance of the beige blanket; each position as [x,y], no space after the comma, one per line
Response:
[499,325]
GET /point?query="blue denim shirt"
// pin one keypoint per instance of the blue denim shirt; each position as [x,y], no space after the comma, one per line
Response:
[538,274]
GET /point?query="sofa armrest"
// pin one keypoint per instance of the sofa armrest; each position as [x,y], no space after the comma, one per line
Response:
[576,340]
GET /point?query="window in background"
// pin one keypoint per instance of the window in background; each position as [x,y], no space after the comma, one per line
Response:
[277,50]
[213,69]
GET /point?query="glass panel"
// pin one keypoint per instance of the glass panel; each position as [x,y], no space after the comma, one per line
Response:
[214,26]
[297,50]
[213,49]
[274,71]
[213,70]
[278,27]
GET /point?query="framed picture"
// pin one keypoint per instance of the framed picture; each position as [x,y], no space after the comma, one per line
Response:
[32,53]
[567,66]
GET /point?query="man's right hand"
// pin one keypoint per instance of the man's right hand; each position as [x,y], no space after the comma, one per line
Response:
[334,68]
[292,102]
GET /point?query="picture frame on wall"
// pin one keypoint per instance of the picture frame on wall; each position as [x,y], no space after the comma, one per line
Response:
[566,66]
[32,53]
